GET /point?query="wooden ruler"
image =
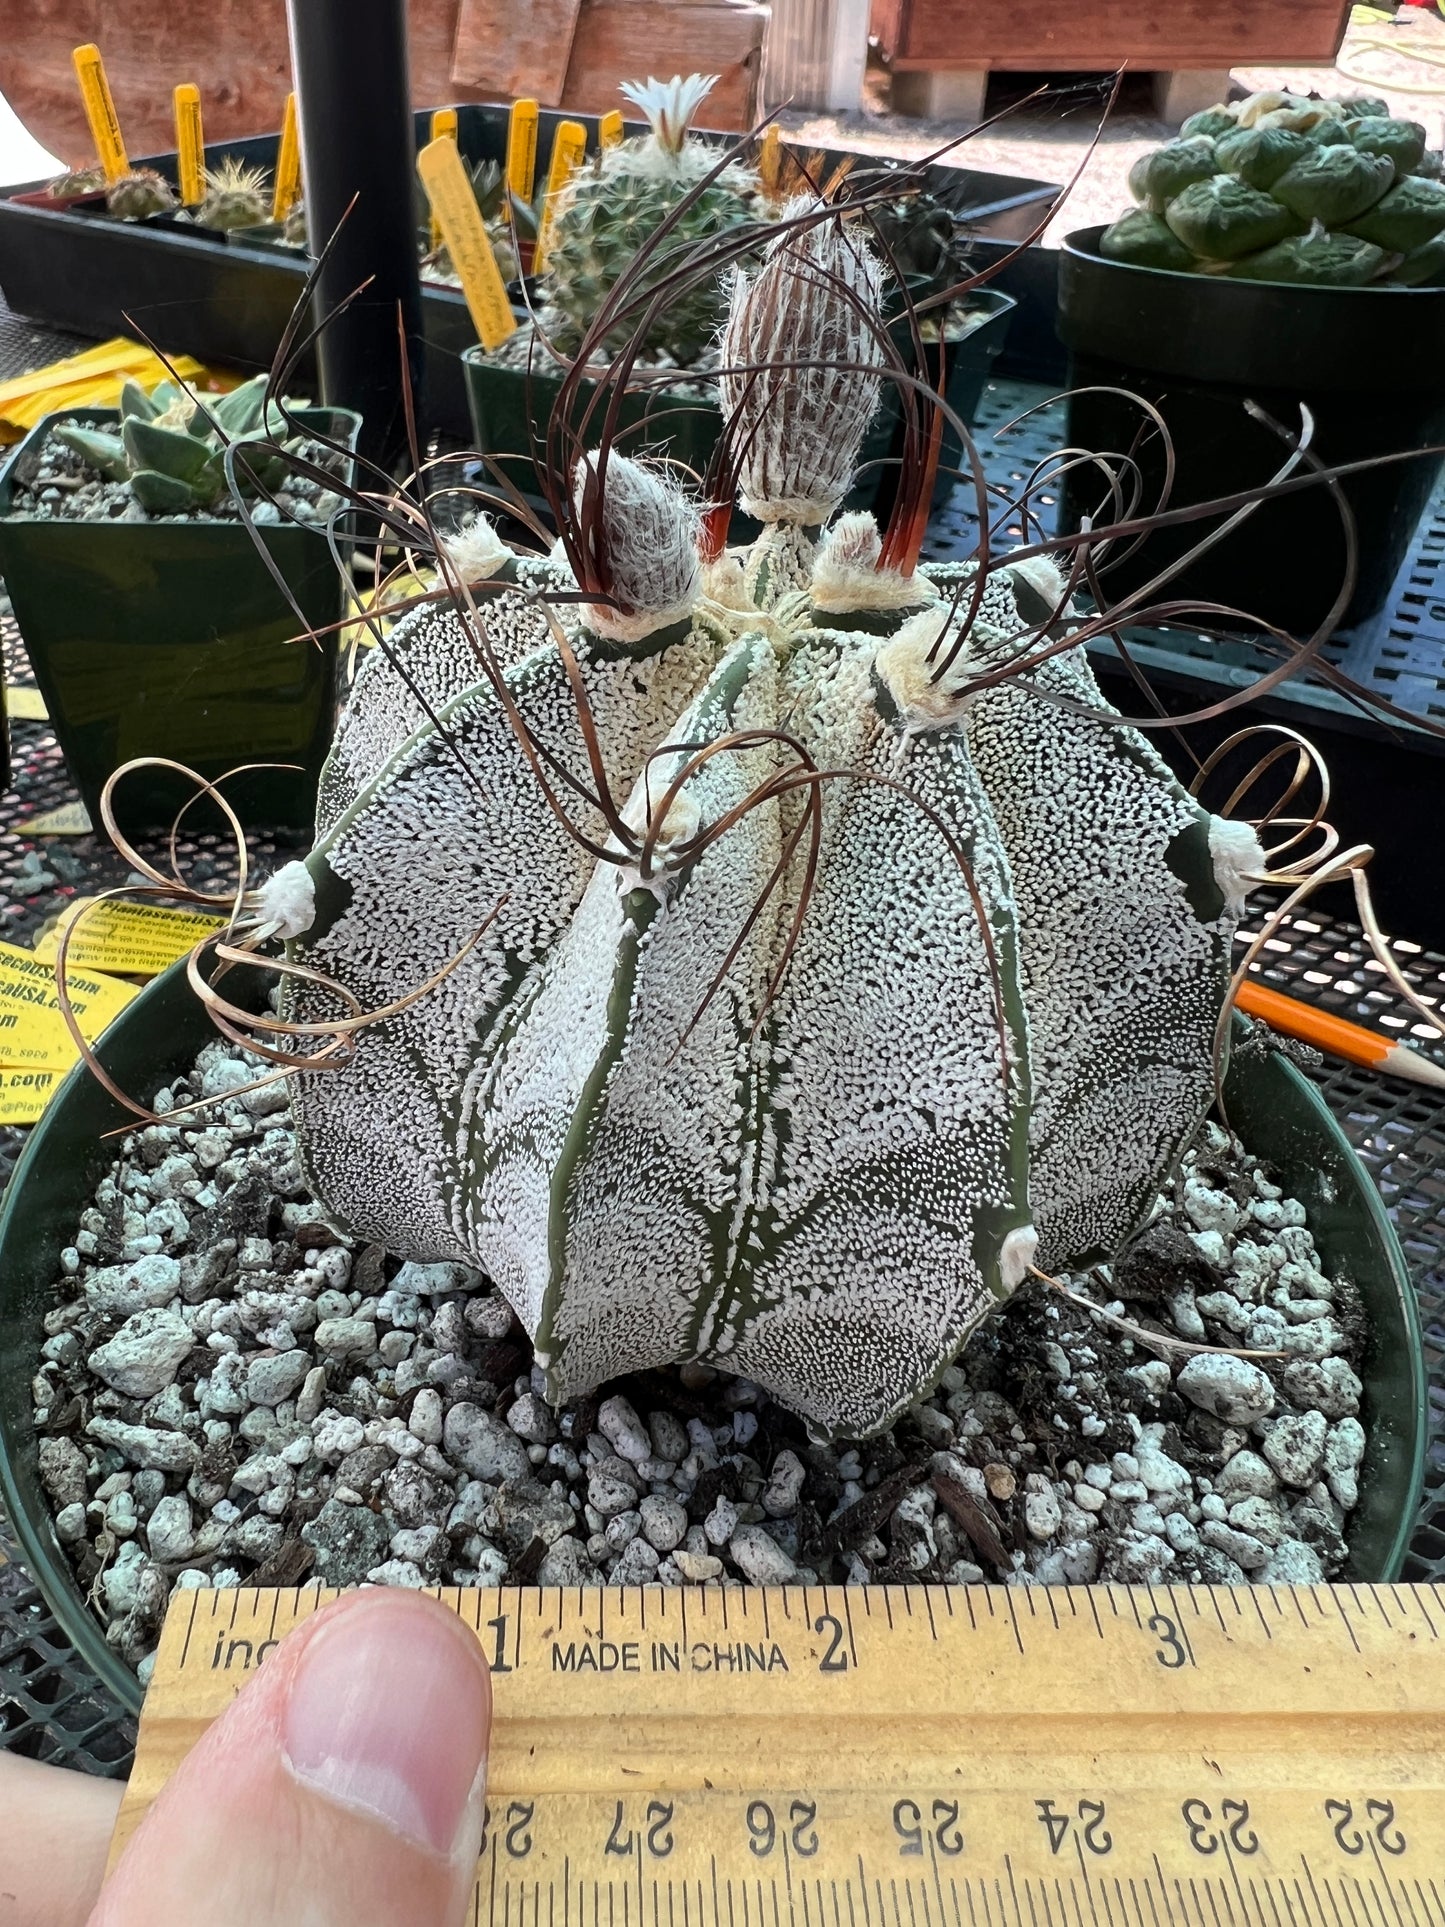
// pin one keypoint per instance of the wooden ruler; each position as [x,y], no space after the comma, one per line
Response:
[930,1757]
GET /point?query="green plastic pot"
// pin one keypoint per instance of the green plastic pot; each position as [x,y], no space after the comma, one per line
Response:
[1279,1114]
[510,408]
[171,639]
[1367,364]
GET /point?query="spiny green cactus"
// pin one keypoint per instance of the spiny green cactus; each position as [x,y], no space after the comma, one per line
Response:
[615,204]
[140,193]
[1280,188]
[237,196]
[170,454]
[789,1075]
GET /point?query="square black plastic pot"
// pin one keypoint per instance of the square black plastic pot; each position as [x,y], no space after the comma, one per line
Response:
[74,267]
[1366,362]
[171,639]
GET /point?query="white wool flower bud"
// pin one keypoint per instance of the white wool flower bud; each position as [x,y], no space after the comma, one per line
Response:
[799,429]
[288,900]
[1239,861]
[846,576]
[643,532]
[475,551]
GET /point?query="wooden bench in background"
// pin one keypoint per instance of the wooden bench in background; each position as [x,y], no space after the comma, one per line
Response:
[942,51]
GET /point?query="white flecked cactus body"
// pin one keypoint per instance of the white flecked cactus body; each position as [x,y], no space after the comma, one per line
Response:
[854,987]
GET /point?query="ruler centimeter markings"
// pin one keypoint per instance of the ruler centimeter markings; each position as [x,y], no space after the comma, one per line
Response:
[978,1756]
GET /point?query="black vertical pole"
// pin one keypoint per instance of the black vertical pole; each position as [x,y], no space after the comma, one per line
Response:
[353,102]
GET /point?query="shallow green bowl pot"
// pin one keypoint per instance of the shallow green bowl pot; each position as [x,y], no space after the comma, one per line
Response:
[171,639]
[1279,1115]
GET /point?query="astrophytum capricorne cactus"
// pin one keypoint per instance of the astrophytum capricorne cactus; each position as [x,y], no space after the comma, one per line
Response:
[824,976]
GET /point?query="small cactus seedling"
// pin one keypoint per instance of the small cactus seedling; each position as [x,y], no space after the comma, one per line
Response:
[171,455]
[77,182]
[140,193]
[237,196]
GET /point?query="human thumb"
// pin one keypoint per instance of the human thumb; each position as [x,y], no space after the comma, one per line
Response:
[344,1784]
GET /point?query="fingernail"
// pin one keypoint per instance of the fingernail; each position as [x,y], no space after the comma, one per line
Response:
[389,1713]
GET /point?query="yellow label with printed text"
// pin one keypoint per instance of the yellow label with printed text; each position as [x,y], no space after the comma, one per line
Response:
[25,1094]
[609,129]
[190,145]
[100,110]
[569,150]
[443,128]
[522,148]
[33,1033]
[130,939]
[460,220]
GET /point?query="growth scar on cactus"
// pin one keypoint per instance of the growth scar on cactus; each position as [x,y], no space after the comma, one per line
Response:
[807,947]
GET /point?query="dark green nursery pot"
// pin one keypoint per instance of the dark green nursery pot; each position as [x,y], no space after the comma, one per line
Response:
[172,639]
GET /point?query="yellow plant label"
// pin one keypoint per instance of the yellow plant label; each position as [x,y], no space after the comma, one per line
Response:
[460,219]
[443,128]
[569,150]
[288,165]
[33,1033]
[609,128]
[770,161]
[70,819]
[130,939]
[26,705]
[190,145]
[100,110]
[25,1094]
[522,148]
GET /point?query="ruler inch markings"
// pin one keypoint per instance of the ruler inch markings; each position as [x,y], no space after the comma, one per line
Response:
[799,1764]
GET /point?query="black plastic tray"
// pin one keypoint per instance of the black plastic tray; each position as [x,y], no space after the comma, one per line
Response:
[195,293]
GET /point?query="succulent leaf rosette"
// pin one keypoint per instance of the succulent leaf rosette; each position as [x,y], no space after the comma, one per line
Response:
[758,967]
[173,453]
[1325,193]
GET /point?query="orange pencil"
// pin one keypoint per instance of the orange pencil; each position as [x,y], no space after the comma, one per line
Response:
[1337,1035]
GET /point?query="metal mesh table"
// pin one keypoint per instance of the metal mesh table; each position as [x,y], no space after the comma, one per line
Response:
[51,1709]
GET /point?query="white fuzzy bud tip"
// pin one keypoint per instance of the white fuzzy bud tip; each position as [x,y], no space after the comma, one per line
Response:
[287,900]
[1015,1256]
[907,665]
[475,551]
[1239,861]
[846,576]
[643,532]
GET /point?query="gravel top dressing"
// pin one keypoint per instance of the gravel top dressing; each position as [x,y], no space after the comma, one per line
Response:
[60,486]
[232,1394]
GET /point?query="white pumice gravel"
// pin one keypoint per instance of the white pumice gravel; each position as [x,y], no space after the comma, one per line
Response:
[242,1396]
